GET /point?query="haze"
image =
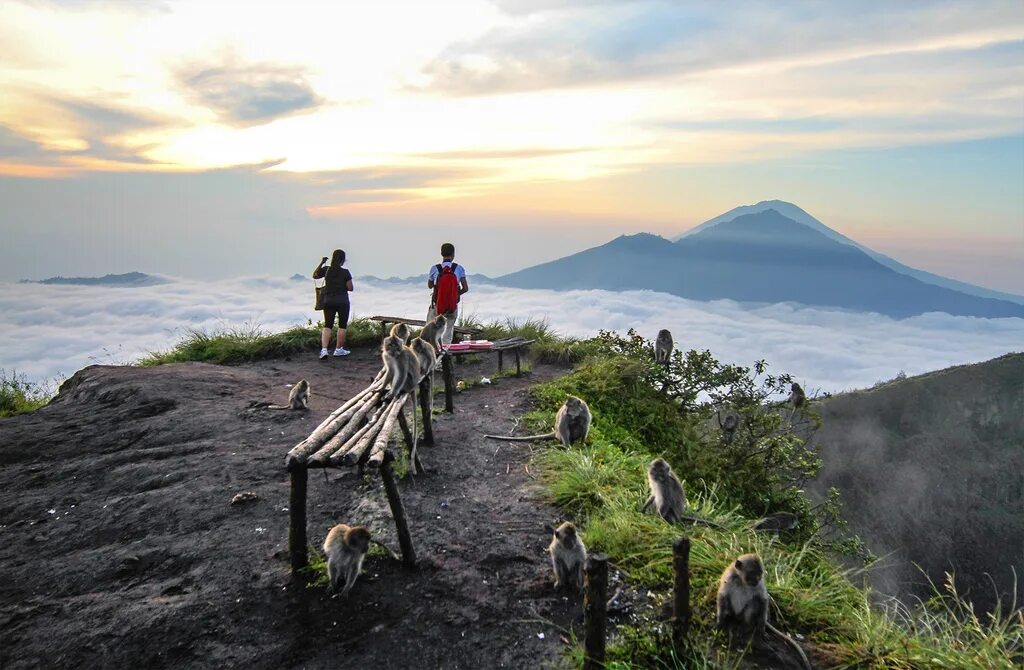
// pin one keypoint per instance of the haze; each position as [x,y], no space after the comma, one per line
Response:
[204,139]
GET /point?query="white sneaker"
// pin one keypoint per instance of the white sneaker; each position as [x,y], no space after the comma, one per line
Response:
[340,351]
[323,354]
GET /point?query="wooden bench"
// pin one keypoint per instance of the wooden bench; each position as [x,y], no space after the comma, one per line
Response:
[514,345]
[384,321]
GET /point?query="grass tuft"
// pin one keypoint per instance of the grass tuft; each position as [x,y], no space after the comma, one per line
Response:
[236,345]
[18,395]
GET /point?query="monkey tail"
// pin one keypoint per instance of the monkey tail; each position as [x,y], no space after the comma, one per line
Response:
[527,438]
[792,643]
[279,406]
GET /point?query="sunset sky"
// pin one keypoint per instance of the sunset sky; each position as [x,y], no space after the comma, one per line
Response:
[216,139]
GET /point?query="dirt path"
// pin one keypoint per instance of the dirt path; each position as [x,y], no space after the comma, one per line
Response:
[119,546]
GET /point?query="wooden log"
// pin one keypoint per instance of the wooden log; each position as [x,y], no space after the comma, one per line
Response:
[681,613]
[595,613]
[329,426]
[426,393]
[449,383]
[297,520]
[397,511]
[359,444]
[355,423]
[381,443]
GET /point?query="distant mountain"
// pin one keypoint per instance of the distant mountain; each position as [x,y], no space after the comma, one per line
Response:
[791,211]
[761,257]
[128,279]
[929,468]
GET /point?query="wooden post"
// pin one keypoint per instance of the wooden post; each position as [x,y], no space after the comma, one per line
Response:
[426,391]
[595,613]
[681,592]
[383,330]
[397,511]
[501,361]
[449,383]
[297,519]
[519,370]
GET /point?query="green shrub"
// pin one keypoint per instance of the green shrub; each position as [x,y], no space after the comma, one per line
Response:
[18,395]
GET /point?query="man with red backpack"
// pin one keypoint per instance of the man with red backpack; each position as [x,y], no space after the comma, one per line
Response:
[448,282]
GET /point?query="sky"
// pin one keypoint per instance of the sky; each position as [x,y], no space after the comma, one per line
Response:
[216,139]
[825,350]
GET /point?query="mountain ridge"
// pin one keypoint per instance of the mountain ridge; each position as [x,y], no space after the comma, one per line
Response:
[799,215]
[762,257]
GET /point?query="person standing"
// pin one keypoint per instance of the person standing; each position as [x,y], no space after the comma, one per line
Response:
[337,285]
[447,281]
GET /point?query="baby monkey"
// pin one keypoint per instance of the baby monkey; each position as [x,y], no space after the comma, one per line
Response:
[667,494]
[345,548]
[568,556]
[298,398]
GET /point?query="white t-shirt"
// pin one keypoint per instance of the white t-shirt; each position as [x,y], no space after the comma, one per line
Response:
[460,272]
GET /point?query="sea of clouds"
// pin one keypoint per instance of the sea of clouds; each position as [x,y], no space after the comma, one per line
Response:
[47,332]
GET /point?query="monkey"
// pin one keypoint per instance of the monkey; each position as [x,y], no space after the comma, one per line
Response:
[434,329]
[663,347]
[667,494]
[426,356]
[298,398]
[401,365]
[777,522]
[345,549]
[404,370]
[401,331]
[728,425]
[797,396]
[568,556]
[743,599]
[572,424]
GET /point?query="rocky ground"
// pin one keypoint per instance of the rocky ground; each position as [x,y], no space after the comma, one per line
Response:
[120,547]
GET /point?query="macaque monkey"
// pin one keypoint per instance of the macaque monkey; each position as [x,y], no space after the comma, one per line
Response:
[568,556]
[667,494]
[298,398]
[663,347]
[345,548]
[572,424]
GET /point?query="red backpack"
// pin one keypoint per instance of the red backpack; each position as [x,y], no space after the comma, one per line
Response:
[446,289]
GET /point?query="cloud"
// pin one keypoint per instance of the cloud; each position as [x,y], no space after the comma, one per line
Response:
[79,129]
[249,94]
[567,44]
[825,350]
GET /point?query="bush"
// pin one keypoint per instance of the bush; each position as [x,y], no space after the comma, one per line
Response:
[18,395]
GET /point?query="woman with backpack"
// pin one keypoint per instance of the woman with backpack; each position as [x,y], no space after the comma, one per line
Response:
[448,282]
[337,285]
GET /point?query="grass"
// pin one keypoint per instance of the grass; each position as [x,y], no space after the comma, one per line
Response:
[18,395]
[602,487]
[232,346]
